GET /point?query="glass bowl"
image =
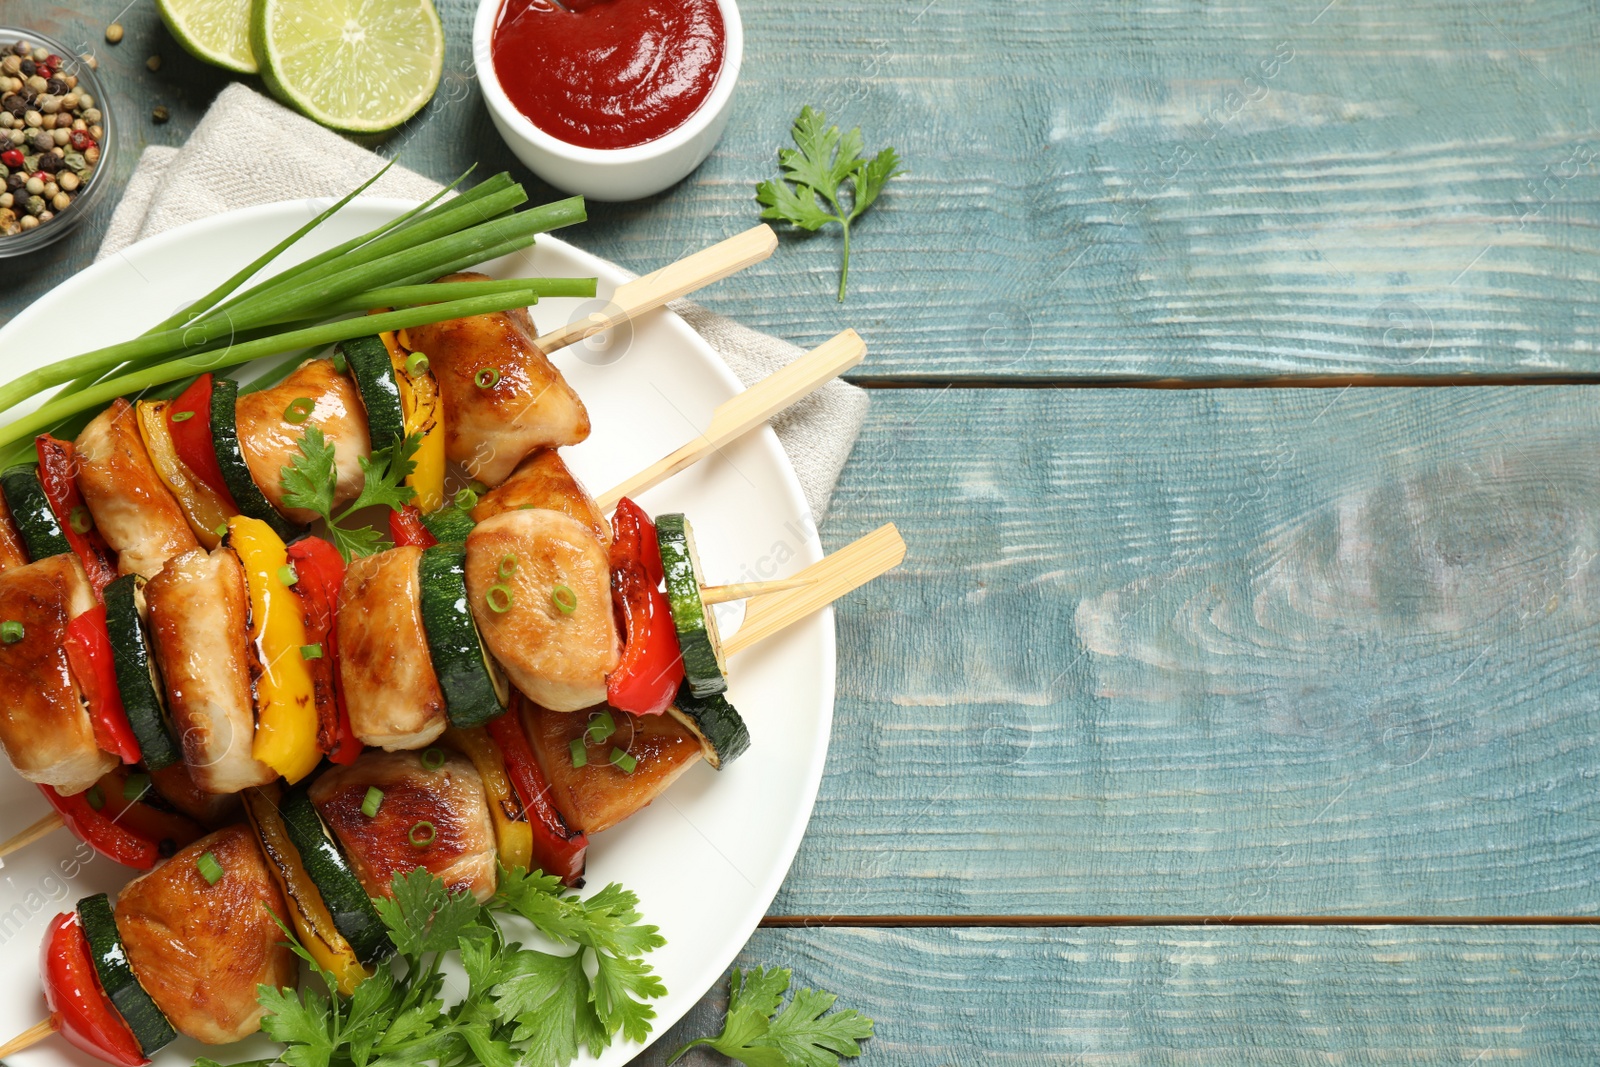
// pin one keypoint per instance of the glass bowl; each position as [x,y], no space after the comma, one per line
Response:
[94,190]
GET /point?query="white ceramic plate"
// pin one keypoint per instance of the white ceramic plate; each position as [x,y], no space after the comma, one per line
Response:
[708,856]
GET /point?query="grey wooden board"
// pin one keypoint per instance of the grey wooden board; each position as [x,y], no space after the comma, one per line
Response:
[1103,188]
[1194,996]
[1295,651]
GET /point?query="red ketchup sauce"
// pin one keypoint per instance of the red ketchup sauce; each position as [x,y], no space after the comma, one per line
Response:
[608,73]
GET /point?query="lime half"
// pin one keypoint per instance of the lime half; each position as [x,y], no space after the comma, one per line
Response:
[217,31]
[362,66]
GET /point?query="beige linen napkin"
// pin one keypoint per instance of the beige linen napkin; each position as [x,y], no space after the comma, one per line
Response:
[248,150]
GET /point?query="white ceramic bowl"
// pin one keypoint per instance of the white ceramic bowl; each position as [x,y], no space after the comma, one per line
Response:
[610,173]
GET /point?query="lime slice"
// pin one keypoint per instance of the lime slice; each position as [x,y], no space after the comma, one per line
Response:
[362,66]
[217,31]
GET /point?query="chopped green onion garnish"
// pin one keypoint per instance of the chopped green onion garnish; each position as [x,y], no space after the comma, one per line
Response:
[565,600]
[601,727]
[80,520]
[477,487]
[95,798]
[487,378]
[11,631]
[508,565]
[134,785]
[340,364]
[416,363]
[209,868]
[182,416]
[299,410]
[466,499]
[622,761]
[311,651]
[499,598]
[221,531]
[580,755]
[422,834]
[433,758]
[287,574]
[369,805]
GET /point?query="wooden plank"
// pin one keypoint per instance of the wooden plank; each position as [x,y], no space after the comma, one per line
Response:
[1107,188]
[1194,996]
[1226,652]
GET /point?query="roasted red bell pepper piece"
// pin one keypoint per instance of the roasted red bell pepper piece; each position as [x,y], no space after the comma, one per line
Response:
[557,848]
[320,575]
[89,655]
[633,537]
[140,815]
[189,423]
[80,1011]
[97,830]
[58,476]
[651,668]
[406,528]
[650,671]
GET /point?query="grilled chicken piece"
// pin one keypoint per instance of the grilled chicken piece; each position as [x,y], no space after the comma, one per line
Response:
[270,442]
[557,659]
[13,553]
[384,667]
[177,788]
[199,620]
[200,950]
[543,481]
[531,406]
[133,510]
[597,796]
[44,726]
[462,853]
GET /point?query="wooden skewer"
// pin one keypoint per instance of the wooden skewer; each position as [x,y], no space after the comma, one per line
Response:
[652,290]
[828,579]
[740,414]
[31,1036]
[49,824]
[722,594]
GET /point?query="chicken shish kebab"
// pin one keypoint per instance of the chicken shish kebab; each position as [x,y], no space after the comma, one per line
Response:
[198,606]
[188,945]
[209,670]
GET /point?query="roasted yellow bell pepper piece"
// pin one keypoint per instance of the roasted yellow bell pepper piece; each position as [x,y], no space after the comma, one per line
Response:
[512,835]
[286,707]
[308,913]
[424,416]
[204,509]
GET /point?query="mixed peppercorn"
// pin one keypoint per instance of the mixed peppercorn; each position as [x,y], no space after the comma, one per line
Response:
[50,137]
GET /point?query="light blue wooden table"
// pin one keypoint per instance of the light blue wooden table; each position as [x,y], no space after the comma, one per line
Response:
[1237,702]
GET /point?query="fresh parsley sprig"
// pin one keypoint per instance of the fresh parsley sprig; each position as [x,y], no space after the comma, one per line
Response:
[522,1006]
[310,479]
[826,171]
[760,1033]
[607,931]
